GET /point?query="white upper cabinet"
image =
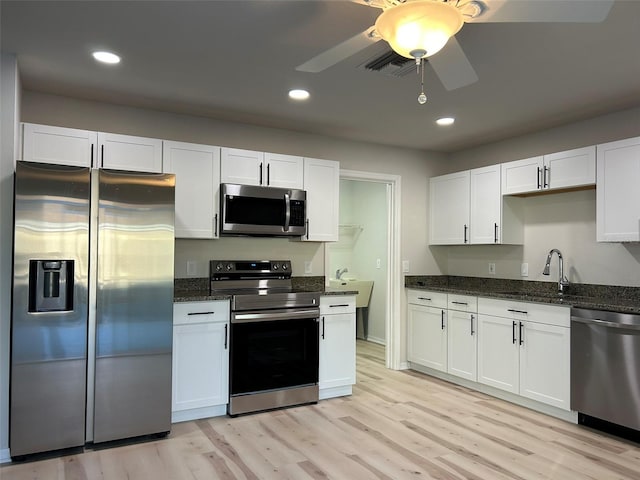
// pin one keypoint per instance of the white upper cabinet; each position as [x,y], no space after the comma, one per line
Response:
[247,167]
[126,152]
[241,166]
[284,171]
[322,183]
[468,208]
[197,170]
[449,209]
[569,169]
[617,192]
[58,145]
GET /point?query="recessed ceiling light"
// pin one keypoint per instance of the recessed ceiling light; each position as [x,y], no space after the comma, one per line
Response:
[106,57]
[445,121]
[298,94]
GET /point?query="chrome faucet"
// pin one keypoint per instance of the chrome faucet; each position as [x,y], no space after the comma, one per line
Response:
[339,273]
[562,280]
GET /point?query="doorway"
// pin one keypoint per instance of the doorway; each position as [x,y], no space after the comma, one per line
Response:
[368,251]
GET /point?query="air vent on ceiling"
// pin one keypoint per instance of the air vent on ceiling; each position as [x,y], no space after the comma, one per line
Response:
[389,63]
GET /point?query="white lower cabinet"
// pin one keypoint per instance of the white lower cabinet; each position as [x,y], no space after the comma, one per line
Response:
[462,329]
[337,362]
[524,348]
[427,329]
[200,385]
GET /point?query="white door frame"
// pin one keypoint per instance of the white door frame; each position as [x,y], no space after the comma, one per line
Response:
[394,271]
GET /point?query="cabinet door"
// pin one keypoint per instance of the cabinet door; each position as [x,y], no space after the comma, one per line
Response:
[197,170]
[284,171]
[498,353]
[486,205]
[135,154]
[58,145]
[427,337]
[617,192]
[241,166]
[544,363]
[200,366]
[337,356]
[322,183]
[522,176]
[462,346]
[573,168]
[449,209]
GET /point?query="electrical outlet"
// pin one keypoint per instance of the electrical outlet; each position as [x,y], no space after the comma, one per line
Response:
[378,263]
[524,270]
[405,266]
[307,267]
[192,268]
[492,269]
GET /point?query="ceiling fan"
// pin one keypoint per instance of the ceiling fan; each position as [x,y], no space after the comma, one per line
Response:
[418,29]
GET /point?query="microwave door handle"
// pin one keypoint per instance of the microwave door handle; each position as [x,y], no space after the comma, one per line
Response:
[287,212]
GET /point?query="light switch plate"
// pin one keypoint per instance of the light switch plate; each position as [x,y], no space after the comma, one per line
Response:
[192,268]
[307,267]
[405,266]
[524,270]
[492,269]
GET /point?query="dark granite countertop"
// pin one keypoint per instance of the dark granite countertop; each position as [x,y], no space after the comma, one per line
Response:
[594,297]
[197,289]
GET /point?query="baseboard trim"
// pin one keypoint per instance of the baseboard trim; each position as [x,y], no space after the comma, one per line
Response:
[379,341]
[333,392]
[5,456]
[198,413]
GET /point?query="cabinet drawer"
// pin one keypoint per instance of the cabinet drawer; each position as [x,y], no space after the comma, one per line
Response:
[200,312]
[462,303]
[427,298]
[533,312]
[334,304]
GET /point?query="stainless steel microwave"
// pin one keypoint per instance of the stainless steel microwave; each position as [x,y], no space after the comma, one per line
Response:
[265,211]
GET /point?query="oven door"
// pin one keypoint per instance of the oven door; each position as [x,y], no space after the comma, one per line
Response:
[273,351]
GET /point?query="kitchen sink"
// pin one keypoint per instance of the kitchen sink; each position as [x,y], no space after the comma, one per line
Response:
[363,287]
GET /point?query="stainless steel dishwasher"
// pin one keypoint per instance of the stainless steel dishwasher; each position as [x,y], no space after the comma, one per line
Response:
[605,366]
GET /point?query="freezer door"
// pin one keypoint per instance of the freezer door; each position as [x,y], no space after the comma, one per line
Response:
[134,305]
[49,319]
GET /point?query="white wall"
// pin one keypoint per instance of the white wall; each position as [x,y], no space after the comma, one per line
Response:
[413,166]
[10,115]
[561,220]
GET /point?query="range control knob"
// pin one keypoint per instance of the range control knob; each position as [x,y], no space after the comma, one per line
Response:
[219,267]
[284,266]
[229,267]
[275,266]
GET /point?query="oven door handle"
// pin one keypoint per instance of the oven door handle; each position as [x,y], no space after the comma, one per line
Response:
[275,315]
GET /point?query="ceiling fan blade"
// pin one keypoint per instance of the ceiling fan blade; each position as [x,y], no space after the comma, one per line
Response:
[452,66]
[336,54]
[574,11]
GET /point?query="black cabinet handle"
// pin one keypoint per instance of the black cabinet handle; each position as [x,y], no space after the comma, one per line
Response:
[513,333]
[539,181]
[339,305]
[201,313]
[102,156]
[472,332]
[545,182]
[424,298]
[226,330]
[460,303]
[307,229]
[260,174]
[215,225]
[92,155]
[442,319]
[517,311]
[268,174]
[323,328]
[495,233]
[520,333]
[465,233]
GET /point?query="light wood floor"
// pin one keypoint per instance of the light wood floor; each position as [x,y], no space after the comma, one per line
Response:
[396,425]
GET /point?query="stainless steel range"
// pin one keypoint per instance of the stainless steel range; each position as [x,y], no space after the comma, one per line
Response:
[274,335]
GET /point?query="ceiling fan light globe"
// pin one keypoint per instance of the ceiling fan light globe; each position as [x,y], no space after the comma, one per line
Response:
[419,25]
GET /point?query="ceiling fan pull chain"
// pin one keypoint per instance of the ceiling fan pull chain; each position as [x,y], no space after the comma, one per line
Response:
[422,98]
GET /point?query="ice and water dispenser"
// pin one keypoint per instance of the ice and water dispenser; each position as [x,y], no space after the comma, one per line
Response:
[50,285]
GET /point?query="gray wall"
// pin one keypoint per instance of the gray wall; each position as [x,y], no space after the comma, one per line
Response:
[561,220]
[10,114]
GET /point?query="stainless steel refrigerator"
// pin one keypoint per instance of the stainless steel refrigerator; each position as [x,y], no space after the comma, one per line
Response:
[91,332]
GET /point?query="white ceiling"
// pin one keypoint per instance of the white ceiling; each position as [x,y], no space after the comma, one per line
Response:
[236,60]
